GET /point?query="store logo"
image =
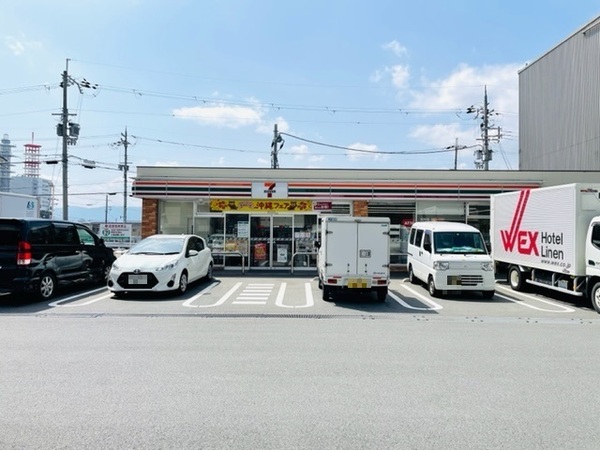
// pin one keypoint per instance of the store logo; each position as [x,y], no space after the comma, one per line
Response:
[269,188]
[524,240]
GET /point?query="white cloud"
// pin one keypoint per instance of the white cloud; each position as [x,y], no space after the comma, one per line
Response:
[264,162]
[400,76]
[464,87]
[167,164]
[19,46]
[449,97]
[441,135]
[299,152]
[266,126]
[230,116]
[364,151]
[396,48]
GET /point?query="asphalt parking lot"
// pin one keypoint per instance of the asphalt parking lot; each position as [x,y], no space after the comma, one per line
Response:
[272,294]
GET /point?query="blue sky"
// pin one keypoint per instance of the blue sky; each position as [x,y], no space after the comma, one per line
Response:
[203,82]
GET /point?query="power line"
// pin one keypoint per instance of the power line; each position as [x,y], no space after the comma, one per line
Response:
[402,152]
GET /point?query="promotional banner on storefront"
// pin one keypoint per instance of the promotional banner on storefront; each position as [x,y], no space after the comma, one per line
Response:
[261,205]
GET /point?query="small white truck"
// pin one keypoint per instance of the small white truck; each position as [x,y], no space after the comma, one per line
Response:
[19,205]
[549,237]
[354,255]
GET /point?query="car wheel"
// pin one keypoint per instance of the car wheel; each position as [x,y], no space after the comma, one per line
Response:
[411,275]
[431,287]
[209,274]
[595,297]
[183,282]
[47,286]
[104,272]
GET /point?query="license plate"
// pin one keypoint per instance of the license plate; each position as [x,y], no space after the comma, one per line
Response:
[357,283]
[138,279]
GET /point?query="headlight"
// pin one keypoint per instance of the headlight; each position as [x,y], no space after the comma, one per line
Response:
[441,265]
[168,266]
[488,266]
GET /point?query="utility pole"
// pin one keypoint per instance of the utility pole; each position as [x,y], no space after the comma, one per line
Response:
[125,167]
[484,156]
[65,162]
[456,148]
[69,132]
[487,154]
[277,139]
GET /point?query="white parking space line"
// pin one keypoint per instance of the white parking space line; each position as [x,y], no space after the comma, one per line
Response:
[308,294]
[563,309]
[434,305]
[59,303]
[222,300]
[254,294]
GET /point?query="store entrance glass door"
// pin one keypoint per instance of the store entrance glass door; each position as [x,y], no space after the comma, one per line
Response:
[260,241]
[282,249]
[271,241]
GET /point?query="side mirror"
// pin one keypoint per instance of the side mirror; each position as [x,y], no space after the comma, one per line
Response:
[317,244]
[427,247]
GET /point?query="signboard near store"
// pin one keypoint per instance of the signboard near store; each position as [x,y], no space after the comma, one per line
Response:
[269,189]
[260,205]
[116,234]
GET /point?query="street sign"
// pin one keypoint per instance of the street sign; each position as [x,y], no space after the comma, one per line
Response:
[116,234]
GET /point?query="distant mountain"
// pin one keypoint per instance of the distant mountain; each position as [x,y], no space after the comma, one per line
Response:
[115,214]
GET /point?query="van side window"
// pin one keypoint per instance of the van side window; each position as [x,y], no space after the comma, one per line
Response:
[427,241]
[418,238]
[66,234]
[85,236]
[41,233]
[411,237]
[596,236]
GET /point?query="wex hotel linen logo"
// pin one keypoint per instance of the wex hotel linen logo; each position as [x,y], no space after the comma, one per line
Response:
[526,241]
[269,189]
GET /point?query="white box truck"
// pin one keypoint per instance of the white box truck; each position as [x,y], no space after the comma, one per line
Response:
[549,237]
[354,255]
[19,205]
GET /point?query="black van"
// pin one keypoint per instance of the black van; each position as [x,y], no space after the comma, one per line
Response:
[38,255]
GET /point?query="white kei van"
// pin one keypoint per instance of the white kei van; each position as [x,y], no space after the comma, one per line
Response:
[449,256]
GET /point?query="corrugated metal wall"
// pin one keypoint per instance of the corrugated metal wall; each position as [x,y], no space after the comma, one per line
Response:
[559,106]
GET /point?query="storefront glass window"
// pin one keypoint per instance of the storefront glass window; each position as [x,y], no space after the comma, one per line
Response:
[441,211]
[175,217]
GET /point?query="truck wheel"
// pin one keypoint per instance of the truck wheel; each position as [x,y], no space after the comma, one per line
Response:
[595,297]
[515,278]
[320,284]
[411,276]
[431,287]
[382,294]
[488,294]
[327,293]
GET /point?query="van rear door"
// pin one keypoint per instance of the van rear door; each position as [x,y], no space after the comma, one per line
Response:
[10,235]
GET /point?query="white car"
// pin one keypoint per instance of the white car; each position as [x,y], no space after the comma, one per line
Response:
[163,262]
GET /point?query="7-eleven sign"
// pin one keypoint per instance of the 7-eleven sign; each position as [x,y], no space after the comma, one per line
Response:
[269,189]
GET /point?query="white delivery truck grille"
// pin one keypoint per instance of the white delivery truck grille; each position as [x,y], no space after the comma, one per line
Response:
[464,280]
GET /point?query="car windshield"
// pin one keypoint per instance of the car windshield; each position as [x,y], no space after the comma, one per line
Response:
[458,242]
[158,246]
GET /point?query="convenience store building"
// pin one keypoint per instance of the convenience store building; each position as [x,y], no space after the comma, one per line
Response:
[261,218]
